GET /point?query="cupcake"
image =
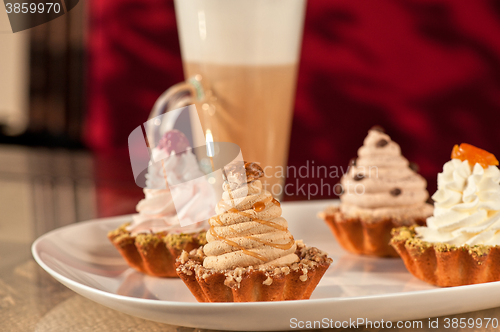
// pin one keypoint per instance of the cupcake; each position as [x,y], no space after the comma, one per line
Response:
[460,244]
[250,255]
[380,191]
[154,239]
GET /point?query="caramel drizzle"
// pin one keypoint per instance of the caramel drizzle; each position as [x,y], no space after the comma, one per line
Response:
[284,246]
[260,221]
[234,244]
[258,207]
[217,219]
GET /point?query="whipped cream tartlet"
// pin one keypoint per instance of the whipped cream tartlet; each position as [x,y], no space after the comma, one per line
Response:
[460,244]
[154,239]
[250,255]
[380,191]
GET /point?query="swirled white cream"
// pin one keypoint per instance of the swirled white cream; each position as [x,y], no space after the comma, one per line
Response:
[156,212]
[467,206]
[242,235]
[381,185]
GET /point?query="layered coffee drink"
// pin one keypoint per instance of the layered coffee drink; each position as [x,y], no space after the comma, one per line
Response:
[246,53]
[254,109]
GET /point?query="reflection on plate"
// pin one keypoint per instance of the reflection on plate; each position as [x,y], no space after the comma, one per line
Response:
[81,257]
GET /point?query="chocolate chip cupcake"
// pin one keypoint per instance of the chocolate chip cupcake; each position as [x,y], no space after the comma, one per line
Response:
[250,255]
[380,191]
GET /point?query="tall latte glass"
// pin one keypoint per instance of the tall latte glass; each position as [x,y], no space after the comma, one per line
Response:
[240,59]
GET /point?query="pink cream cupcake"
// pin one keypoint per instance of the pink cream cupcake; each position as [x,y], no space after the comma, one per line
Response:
[154,239]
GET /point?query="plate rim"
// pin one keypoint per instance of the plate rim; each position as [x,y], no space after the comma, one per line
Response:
[85,223]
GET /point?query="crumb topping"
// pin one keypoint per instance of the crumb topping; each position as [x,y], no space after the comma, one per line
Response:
[408,235]
[268,281]
[146,240]
[119,232]
[177,241]
[310,257]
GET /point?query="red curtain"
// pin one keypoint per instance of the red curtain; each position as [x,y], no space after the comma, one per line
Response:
[428,71]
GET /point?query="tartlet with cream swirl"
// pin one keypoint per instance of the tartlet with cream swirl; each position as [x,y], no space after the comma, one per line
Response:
[461,243]
[381,190]
[153,240]
[250,255]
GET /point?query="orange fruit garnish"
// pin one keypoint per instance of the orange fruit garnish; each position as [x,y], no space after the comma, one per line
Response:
[473,155]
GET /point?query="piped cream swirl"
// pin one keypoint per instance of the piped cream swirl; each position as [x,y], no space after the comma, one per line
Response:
[382,185]
[467,206]
[248,230]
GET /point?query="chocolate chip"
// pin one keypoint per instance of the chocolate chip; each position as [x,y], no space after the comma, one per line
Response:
[381,143]
[352,162]
[414,167]
[378,128]
[396,192]
[358,177]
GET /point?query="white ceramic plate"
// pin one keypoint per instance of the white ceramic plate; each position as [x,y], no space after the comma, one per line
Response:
[81,257]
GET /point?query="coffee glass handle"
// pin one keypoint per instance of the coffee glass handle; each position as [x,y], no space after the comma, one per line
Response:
[177,96]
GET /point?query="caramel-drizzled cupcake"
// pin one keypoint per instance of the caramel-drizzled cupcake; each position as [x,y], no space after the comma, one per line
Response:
[380,191]
[250,254]
[461,243]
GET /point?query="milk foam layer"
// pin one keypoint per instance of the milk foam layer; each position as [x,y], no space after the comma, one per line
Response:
[240,32]
[467,206]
